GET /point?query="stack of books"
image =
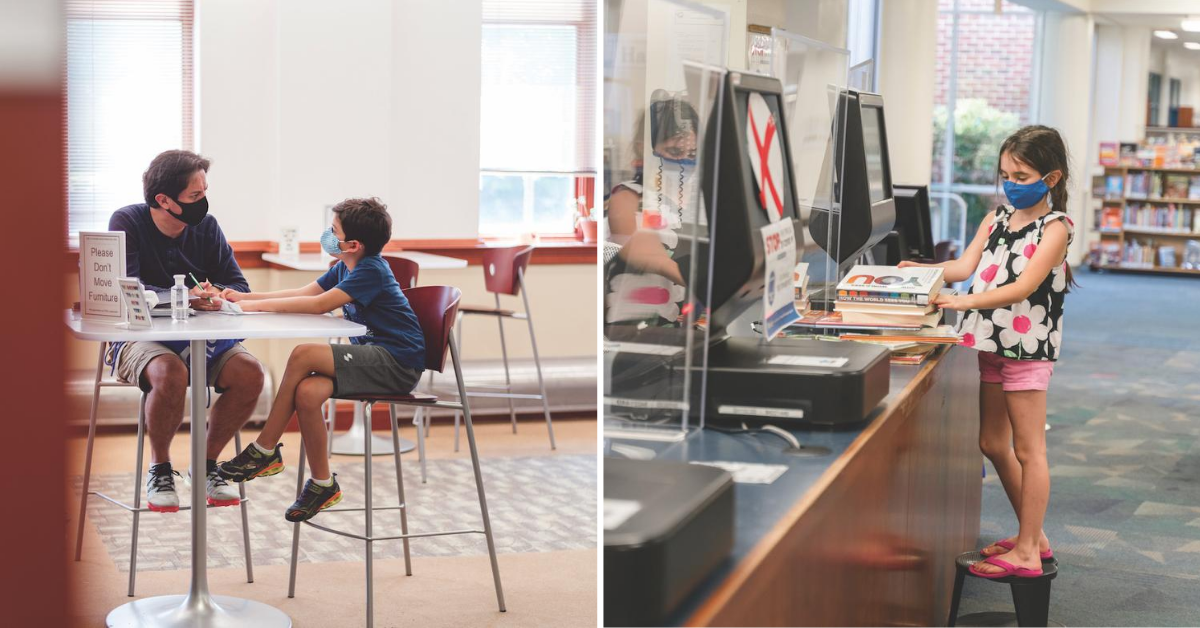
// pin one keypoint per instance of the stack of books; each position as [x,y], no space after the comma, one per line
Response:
[888,296]
[910,348]
[800,285]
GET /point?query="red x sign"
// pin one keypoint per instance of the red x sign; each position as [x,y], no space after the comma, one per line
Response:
[765,156]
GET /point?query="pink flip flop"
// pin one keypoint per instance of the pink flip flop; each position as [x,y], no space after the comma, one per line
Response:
[1009,545]
[1009,570]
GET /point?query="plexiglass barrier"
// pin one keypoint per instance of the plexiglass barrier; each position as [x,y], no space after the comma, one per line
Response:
[663,80]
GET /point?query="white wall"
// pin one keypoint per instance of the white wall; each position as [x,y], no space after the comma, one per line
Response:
[1184,65]
[1065,105]
[307,102]
[907,56]
[1120,73]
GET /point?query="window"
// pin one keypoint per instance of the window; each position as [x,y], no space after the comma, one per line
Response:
[986,72]
[1153,98]
[538,114]
[862,36]
[129,97]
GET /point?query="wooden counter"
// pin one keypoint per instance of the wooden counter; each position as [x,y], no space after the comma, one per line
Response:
[866,535]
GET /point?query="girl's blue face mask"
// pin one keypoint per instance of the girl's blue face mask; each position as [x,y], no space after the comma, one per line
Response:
[685,161]
[329,242]
[1025,196]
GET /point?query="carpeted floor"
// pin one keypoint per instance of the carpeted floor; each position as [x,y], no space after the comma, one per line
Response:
[1124,452]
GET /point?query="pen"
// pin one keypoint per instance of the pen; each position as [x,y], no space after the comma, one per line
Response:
[197,282]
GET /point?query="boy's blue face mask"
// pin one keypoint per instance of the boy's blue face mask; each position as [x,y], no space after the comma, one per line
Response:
[1025,196]
[329,242]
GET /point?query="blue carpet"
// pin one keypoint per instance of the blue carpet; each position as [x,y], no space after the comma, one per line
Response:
[1124,452]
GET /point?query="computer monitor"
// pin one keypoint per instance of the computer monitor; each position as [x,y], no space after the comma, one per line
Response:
[864,189]
[913,222]
[752,188]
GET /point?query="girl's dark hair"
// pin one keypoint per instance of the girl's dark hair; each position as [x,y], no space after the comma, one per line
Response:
[671,116]
[1042,148]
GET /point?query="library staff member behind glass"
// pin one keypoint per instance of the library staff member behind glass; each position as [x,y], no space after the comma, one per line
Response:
[172,234]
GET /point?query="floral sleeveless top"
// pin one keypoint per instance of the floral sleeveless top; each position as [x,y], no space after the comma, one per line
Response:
[1031,329]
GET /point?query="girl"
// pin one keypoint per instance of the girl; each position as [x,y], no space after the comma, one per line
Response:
[1013,317]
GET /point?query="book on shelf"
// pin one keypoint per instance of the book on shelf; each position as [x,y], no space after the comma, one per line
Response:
[1137,185]
[1194,188]
[1114,187]
[1175,186]
[1109,155]
[1110,218]
[1128,154]
[1166,257]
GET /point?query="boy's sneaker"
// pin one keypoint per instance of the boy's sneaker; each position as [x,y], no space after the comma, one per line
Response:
[160,488]
[219,492]
[313,499]
[251,463]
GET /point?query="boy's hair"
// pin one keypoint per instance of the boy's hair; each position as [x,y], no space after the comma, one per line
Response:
[1042,148]
[365,220]
[170,173]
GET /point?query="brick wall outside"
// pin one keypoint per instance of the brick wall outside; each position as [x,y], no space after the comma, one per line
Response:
[995,56]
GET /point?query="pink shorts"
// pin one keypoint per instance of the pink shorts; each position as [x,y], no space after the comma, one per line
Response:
[1014,374]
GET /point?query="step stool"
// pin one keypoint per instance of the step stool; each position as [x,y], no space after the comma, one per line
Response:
[1031,596]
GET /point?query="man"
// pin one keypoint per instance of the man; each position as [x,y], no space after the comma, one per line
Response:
[172,234]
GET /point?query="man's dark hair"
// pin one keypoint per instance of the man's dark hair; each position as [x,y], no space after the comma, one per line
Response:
[365,220]
[170,173]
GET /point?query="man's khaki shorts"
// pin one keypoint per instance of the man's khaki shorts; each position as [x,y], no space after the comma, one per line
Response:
[136,355]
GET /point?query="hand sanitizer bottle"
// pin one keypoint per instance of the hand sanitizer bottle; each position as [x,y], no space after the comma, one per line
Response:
[179,300]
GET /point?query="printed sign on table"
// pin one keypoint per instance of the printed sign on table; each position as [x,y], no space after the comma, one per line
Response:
[779,249]
[101,266]
[135,303]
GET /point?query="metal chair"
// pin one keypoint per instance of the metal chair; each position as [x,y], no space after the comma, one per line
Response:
[405,271]
[504,273]
[436,308]
[137,508]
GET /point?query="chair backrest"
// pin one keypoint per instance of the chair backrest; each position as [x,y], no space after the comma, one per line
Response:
[436,308]
[500,268]
[405,270]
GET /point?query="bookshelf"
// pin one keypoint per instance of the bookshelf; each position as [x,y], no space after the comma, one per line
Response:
[1147,219]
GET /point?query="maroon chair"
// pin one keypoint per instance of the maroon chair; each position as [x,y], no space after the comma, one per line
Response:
[504,273]
[436,308]
[405,271]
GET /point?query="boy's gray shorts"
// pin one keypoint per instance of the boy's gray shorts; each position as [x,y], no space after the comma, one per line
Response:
[361,370]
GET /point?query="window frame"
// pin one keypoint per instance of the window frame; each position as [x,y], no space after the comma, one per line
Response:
[99,10]
[582,181]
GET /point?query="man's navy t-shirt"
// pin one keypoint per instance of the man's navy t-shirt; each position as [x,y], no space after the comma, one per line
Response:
[381,306]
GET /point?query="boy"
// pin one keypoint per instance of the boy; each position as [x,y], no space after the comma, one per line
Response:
[388,359]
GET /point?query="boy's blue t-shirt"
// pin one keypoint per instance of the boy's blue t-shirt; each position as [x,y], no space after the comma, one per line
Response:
[381,306]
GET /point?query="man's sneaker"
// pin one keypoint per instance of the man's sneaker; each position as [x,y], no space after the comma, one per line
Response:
[251,463]
[220,493]
[313,500]
[160,488]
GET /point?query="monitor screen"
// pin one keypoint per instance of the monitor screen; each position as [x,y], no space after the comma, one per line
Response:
[873,143]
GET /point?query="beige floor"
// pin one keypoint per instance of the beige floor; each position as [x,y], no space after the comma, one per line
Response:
[541,589]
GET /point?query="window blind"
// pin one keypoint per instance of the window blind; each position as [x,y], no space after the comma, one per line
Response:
[539,86]
[130,94]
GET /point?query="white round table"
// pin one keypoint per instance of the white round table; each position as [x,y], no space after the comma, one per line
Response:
[198,608]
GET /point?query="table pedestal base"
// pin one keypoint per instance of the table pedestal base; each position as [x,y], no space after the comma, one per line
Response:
[218,612]
[351,443]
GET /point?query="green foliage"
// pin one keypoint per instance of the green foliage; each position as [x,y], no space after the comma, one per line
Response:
[979,129]
[978,132]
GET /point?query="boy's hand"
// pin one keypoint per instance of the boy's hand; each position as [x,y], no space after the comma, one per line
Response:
[960,302]
[231,295]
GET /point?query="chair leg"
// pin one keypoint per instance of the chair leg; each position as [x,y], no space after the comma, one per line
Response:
[369,512]
[87,459]
[296,526]
[137,493]
[462,396]
[419,421]
[512,413]
[237,444]
[487,522]
[960,575]
[537,360]
[400,486]
[1032,602]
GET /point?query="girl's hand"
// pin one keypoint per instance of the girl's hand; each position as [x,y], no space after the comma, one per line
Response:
[958,302]
[909,264]
[247,306]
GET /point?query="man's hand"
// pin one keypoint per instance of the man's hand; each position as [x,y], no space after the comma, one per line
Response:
[208,301]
